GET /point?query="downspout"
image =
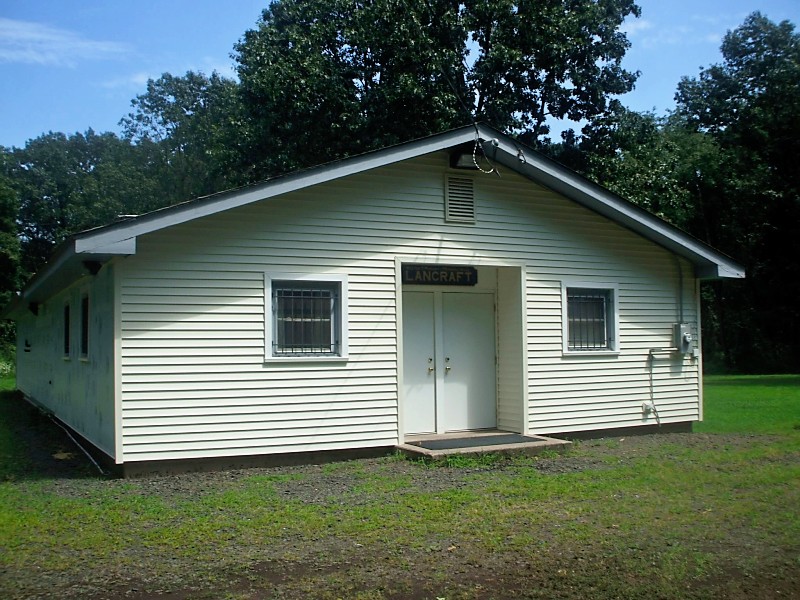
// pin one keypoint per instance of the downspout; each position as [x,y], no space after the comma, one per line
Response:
[680,287]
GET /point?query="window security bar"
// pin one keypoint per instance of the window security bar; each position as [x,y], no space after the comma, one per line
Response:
[305,320]
[588,320]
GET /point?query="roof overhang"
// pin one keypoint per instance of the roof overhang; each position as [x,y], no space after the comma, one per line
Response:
[709,263]
[71,261]
[79,255]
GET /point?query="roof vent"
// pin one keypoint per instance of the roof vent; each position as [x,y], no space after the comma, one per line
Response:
[459,199]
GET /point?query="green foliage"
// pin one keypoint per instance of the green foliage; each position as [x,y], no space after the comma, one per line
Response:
[9,240]
[642,158]
[9,265]
[7,379]
[723,167]
[551,58]
[747,194]
[193,125]
[67,184]
[324,79]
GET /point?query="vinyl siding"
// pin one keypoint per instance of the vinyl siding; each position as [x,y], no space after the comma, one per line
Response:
[194,382]
[78,390]
[511,379]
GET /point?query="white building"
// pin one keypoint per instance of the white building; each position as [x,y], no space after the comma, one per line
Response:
[355,304]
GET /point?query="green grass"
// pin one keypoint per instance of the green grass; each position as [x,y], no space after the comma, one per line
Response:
[645,520]
[761,404]
[7,383]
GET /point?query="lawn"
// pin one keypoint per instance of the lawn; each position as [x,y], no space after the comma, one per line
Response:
[751,404]
[711,514]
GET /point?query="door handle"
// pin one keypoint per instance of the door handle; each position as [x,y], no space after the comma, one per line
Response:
[430,365]
[447,367]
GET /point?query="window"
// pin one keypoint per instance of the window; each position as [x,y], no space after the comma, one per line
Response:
[306,316]
[590,322]
[84,326]
[66,330]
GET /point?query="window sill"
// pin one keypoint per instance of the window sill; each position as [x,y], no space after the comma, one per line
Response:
[589,353]
[305,359]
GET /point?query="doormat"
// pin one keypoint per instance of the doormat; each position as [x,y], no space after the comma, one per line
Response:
[475,441]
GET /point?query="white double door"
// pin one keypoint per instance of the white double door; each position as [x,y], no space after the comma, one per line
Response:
[449,372]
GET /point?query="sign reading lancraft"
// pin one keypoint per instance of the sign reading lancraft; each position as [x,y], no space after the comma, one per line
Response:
[439,275]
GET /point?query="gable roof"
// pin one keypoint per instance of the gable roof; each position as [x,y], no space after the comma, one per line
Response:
[84,250]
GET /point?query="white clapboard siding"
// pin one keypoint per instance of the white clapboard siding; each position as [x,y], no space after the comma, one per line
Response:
[79,390]
[194,380]
[511,380]
[257,402]
[240,411]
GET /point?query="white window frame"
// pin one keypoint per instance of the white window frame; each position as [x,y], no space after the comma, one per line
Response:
[341,316]
[612,329]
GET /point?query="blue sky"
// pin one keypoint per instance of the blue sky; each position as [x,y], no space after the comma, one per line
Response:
[68,65]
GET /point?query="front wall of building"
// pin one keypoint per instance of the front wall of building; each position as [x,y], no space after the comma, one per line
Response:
[192,347]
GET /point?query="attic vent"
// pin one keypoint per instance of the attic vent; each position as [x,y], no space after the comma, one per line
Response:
[459,199]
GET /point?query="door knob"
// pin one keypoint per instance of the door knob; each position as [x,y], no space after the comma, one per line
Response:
[447,366]
[430,365]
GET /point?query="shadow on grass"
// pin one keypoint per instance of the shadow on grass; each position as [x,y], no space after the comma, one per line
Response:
[34,447]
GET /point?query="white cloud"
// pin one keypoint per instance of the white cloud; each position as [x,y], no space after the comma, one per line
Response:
[137,82]
[38,44]
[681,35]
[226,69]
[636,26]
[134,81]
[713,20]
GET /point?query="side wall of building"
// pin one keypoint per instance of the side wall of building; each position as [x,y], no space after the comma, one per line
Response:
[194,379]
[78,388]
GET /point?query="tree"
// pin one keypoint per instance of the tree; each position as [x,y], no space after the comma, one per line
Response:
[748,106]
[322,79]
[638,156]
[9,240]
[66,184]
[9,261]
[193,124]
[723,167]
[550,58]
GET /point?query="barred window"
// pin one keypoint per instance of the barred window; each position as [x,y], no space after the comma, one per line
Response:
[307,317]
[590,322]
